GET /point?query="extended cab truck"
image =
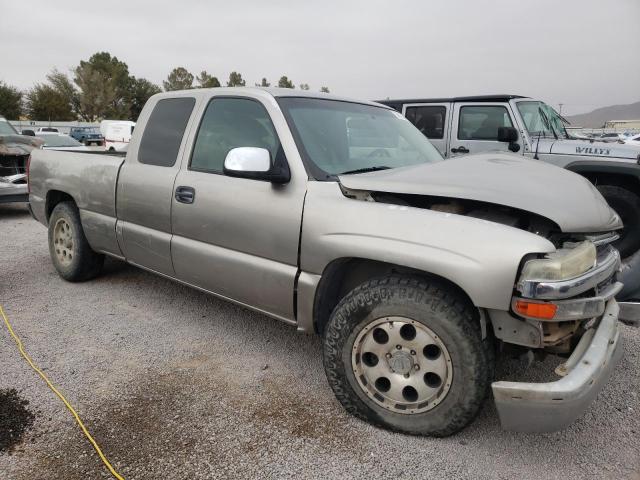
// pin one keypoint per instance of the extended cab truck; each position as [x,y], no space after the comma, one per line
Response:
[339,217]
[466,125]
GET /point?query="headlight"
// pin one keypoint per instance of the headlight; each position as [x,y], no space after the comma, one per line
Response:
[563,264]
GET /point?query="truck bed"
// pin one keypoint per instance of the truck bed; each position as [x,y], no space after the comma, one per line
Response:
[90,179]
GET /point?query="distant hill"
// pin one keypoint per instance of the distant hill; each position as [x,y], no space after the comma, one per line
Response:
[599,116]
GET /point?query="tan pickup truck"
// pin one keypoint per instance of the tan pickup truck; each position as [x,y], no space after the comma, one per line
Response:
[339,217]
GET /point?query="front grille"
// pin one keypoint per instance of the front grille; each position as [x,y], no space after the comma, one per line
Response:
[601,240]
[13,165]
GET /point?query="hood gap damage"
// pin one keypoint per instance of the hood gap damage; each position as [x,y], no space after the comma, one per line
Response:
[501,214]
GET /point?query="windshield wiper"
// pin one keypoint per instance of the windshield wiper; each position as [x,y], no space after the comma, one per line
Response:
[546,121]
[366,169]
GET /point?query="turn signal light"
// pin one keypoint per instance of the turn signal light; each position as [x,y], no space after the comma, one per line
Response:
[545,311]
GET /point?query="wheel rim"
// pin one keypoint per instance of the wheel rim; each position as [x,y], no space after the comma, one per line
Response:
[402,365]
[63,242]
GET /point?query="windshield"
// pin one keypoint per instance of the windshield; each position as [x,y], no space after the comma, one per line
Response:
[59,141]
[6,128]
[542,120]
[348,138]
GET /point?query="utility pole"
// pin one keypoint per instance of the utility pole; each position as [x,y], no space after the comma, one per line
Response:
[560,104]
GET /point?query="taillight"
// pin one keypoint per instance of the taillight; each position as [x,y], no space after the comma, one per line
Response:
[27,171]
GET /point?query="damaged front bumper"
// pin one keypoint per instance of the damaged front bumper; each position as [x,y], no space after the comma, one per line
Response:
[547,407]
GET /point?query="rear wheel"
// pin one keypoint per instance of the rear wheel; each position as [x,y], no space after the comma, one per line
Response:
[70,252]
[626,204]
[407,354]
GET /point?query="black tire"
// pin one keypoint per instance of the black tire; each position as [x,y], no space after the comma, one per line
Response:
[627,204]
[445,312]
[84,264]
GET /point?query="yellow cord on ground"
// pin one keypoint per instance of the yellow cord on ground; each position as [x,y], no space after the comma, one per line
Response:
[64,400]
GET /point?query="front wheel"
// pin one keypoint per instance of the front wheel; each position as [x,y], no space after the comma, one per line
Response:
[626,204]
[70,252]
[407,354]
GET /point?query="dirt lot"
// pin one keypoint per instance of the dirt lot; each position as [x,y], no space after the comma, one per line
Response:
[176,384]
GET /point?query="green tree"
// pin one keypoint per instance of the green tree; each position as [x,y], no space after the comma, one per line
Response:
[178,79]
[62,84]
[141,90]
[324,89]
[207,81]
[44,102]
[304,86]
[104,85]
[96,93]
[236,80]
[263,83]
[10,101]
[284,82]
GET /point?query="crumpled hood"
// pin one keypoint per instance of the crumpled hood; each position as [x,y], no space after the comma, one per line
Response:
[566,198]
[18,144]
[586,148]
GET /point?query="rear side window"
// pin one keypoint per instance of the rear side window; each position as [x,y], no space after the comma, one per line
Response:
[482,122]
[428,119]
[164,131]
[230,123]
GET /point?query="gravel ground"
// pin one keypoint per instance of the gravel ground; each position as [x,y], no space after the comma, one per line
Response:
[176,384]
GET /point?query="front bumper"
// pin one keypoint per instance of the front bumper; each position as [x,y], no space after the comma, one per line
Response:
[547,407]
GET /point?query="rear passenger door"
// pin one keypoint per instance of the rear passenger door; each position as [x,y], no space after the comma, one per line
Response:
[475,128]
[433,120]
[145,185]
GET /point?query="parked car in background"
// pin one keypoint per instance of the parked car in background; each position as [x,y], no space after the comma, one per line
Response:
[633,139]
[612,137]
[46,129]
[530,128]
[87,135]
[117,134]
[60,141]
[14,152]
[339,217]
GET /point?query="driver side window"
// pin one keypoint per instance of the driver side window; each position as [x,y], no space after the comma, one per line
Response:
[231,123]
[482,122]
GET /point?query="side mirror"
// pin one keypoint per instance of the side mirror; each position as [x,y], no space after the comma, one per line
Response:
[29,133]
[254,163]
[510,136]
[507,134]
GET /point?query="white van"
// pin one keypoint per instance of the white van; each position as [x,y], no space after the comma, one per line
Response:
[117,134]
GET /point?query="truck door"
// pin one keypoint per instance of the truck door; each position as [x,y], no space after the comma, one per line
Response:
[475,128]
[145,186]
[433,120]
[237,237]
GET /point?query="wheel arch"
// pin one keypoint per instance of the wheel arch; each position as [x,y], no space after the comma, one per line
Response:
[609,173]
[342,275]
[54,197]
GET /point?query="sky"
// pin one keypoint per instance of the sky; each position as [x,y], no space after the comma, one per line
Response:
[581,53]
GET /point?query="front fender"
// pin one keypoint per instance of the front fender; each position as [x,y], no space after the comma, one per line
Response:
[628,168]
[479,256]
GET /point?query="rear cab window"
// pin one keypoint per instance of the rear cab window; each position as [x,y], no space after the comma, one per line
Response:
[163,133]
